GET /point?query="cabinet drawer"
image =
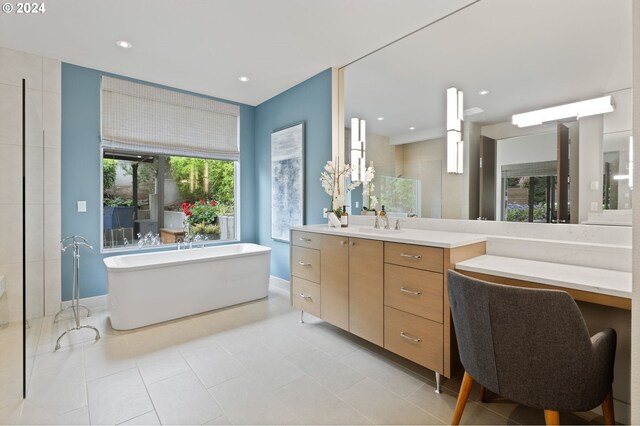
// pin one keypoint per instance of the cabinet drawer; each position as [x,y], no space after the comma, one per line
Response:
[305,263]
[413,290]
[306,239]
[306,296]
[421,257]
[414,338]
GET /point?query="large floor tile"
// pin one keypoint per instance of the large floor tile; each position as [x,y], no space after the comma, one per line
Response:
[107,356]
[213,365]
[279,339]
[182,399]
[117,398]
[150,418]
[235,340]
[443,405]
[60,391]
[324,338]
[395,378]
[383,407]
[245,403]
[313,404]
[161,365]
[268,367]
[327,371]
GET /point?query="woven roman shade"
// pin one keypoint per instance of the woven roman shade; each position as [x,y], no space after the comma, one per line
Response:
[146,119]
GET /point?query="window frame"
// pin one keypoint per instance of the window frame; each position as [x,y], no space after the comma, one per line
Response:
[162,247]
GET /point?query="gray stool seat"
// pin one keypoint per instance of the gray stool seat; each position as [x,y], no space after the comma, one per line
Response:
[531,346]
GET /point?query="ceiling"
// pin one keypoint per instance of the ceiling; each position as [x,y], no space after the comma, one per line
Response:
[529,54]
[205,45]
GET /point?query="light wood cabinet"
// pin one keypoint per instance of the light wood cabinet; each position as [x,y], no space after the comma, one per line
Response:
[306,296]
[366,290]
[305,263]
[334,278]
[391,294]
[414,290]
[414,338]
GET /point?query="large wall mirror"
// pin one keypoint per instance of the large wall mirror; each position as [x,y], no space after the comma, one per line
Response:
[508,58]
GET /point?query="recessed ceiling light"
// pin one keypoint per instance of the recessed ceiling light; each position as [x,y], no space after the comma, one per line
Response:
[483,92]
[124,44]
[380,118]
[243,78]
[412,128]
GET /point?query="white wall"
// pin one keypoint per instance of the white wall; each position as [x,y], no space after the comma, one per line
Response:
[635,313]
[590,159]
[43,77]
[522,149]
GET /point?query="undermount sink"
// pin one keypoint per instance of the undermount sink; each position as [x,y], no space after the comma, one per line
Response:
[371,230]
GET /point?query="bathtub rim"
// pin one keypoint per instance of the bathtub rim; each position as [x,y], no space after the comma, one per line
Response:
[259,250]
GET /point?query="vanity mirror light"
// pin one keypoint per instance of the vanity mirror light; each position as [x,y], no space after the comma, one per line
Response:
[539,54]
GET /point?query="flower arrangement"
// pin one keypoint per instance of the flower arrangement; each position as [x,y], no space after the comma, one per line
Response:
[331,177]
[201,217]
[368,188]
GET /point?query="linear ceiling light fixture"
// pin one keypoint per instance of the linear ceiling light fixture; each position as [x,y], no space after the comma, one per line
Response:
[455,144]
[358,149]
[629,166]
[576,109]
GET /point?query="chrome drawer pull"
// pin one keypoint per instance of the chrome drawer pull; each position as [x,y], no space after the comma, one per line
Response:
[406,336]
[342,242]
[305,297]
[305,239]
[306,265]
[412,256]
[352,243]
[406,290]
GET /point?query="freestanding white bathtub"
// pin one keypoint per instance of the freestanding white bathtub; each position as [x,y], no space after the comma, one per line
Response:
[149,288]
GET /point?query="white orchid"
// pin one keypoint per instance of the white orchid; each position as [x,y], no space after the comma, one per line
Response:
[369,187]
[331,178]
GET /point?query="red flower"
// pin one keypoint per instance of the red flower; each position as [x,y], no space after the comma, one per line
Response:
[213,203]
[188,213]
[201,201]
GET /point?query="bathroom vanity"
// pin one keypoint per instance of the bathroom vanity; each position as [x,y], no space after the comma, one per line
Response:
[386,286]
[389,286]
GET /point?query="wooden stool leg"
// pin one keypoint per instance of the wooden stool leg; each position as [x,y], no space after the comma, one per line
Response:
[483,394]
[465,389]
[607,409]
[551,417]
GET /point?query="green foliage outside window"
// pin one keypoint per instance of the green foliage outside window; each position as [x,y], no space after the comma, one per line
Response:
[190,177]
[108,173]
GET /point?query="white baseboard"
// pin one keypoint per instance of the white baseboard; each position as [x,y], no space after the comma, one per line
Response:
[90,302]
[280,283]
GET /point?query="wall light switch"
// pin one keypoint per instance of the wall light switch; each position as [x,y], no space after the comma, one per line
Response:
[357,204]
[594,185]
[324,212]
[594,206]
[82,206]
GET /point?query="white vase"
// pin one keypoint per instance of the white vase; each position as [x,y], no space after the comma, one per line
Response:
[334,222]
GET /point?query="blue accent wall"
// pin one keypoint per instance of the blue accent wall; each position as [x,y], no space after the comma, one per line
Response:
[81,174]
[308,102]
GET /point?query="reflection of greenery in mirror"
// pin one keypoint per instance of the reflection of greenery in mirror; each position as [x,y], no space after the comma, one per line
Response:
[525,205]
[400,195]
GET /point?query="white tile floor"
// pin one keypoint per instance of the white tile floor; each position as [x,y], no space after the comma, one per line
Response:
[250,364]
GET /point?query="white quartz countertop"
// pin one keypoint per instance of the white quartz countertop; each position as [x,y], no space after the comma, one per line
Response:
[407,235]
[595,280]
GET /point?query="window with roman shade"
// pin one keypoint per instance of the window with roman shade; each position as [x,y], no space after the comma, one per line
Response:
[146,119]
